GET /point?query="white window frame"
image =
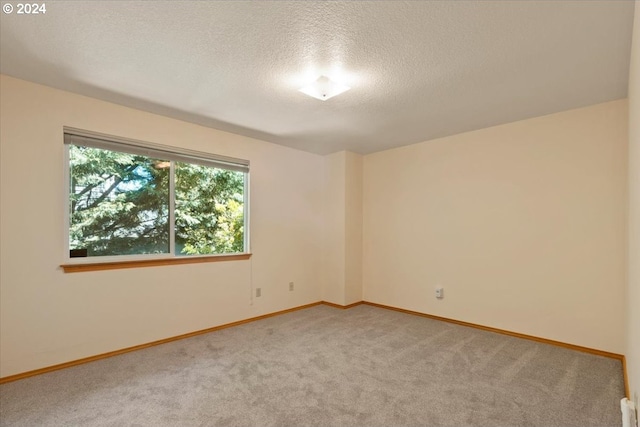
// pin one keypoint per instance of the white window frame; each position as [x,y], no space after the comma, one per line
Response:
[74,136]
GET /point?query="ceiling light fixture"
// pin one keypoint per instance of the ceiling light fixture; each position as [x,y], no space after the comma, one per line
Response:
[324,88]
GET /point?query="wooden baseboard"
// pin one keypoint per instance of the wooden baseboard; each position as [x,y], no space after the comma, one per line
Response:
[627,392]
[343,307]
[589,350]
[84,360]
[502,331]
[47,369]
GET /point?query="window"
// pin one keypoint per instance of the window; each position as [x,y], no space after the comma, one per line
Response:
[132,200]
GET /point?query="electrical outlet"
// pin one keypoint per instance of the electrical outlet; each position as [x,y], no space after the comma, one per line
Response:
[290,286]
[439,293]
[258,292]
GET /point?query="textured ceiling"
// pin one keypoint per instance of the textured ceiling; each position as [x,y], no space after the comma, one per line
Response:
[418,70]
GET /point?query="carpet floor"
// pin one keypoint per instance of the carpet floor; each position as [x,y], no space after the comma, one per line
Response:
[322,366]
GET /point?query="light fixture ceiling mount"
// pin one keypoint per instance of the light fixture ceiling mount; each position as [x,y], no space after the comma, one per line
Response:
[324,88]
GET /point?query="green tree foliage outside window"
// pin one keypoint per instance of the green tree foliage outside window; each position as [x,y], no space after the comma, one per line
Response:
[209,210]
[119,205]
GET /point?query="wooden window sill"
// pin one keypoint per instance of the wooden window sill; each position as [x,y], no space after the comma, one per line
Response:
[96,266]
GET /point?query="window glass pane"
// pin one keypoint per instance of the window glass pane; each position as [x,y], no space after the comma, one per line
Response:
[119,203]
[209,210]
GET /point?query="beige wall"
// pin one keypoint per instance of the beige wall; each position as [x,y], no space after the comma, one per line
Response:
[334,267]
[343,235]
[522,224]
[633,297]
[49,317]
[353,227]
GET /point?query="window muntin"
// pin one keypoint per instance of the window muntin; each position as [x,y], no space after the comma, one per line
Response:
[131,200]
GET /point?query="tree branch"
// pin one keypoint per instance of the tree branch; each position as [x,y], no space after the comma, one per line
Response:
[108,190]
